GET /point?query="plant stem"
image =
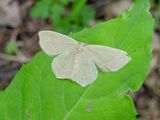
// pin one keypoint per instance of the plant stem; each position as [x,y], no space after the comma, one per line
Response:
[77,8]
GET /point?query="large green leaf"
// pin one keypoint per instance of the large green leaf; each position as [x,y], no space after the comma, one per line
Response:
[35,93]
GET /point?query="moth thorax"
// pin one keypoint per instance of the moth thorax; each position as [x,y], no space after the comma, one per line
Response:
[82,47]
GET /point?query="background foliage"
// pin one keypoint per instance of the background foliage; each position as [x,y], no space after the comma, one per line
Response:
[66,15]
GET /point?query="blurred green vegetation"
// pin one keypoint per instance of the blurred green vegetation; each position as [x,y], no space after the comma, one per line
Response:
[156,12]
[11,47]
[65,15]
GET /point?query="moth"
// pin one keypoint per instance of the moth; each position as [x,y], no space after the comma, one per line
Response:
[77,61]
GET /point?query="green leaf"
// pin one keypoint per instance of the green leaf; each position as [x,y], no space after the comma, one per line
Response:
[35,93]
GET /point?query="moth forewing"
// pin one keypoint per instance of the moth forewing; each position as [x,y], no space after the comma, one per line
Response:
[53,43]
[107,58]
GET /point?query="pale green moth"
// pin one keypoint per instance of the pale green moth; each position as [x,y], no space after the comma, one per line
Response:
[77,61]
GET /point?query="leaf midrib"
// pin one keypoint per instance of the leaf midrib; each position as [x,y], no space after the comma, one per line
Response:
[75,105]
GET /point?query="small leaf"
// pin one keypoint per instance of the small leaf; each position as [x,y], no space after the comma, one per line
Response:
[57,12]
[11,47]
[87,16]
[65,1]
[35,93]
[41,9]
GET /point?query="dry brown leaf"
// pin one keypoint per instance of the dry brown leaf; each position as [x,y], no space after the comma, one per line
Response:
[156,42]
[156,51]
[9,13]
